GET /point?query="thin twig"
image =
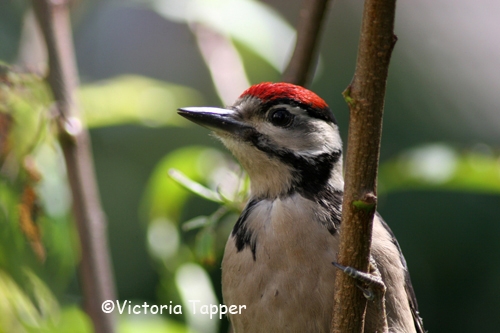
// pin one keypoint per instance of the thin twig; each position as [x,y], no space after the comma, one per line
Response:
[95,270]
[365,97]
[300,69]
[32,54]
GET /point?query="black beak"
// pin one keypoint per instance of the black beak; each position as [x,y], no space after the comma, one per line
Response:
[216,119]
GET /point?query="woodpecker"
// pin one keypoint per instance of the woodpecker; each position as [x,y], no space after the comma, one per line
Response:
[278,258]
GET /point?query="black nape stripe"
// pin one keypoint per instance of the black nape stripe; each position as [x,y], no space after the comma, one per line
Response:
[243,236]
[331,200]
[312,174]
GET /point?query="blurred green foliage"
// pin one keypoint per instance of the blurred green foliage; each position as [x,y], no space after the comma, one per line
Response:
[37,248]
[34,308]
[442,167]
[38,242]
[149,324]
[133,99]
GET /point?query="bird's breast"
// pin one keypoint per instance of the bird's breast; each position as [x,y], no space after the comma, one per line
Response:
[287,283]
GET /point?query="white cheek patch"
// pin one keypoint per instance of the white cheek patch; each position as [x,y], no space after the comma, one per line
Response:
[319,137]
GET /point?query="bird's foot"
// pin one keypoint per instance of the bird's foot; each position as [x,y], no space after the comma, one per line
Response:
[370,283]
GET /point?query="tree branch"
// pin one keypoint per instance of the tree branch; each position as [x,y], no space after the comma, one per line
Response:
[95,270]
[365,97]
[300,68]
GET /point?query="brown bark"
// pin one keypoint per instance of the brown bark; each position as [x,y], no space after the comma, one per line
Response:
[95,270]
[365,97]
[300,69]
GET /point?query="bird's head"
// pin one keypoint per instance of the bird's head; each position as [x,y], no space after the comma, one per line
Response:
[285,137]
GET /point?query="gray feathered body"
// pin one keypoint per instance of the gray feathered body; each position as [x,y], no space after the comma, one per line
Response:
[283,271]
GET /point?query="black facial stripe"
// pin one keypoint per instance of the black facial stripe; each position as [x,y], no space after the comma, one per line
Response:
[243,236]
[311,174]
[324,114]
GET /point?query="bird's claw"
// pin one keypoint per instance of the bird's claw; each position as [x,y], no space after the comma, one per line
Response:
[365,281]
[367,292]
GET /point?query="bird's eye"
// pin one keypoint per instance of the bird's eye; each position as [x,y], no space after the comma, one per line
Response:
[281,118]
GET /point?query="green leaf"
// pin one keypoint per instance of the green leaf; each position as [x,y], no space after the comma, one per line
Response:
[149,324]
[135,100]
[23,104]
[34,311]
[195,223]
[205,246]
[363,205]
[16,308]
[73,320]
[45,301]
[252,23]
[164,197]
[194,187]
[441,167]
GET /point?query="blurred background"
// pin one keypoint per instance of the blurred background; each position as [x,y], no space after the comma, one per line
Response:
[139,60]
